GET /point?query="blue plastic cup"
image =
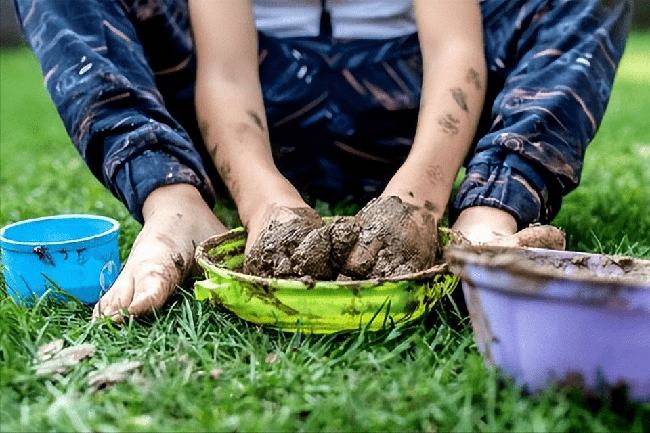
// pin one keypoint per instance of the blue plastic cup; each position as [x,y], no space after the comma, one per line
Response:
[77,253]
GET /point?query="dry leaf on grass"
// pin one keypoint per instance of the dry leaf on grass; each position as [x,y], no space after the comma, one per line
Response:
[48,350]
[185,360]
[63,361]
[114,373]
[215,373]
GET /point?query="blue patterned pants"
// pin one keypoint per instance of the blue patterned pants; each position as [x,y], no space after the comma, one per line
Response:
[341,114]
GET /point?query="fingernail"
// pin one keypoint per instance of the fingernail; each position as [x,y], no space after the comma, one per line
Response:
[117,317]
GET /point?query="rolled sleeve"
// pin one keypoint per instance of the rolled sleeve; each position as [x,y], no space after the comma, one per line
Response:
[551,66]
[99,76]
[148,158]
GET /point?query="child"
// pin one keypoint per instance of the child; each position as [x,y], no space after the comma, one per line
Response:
[384,99]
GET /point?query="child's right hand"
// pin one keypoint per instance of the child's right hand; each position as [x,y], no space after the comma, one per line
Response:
[395,238]
[270,247]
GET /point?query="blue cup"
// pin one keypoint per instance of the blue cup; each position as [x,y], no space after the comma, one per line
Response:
[77,253]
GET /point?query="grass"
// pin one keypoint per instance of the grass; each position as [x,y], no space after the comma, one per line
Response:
[426,375]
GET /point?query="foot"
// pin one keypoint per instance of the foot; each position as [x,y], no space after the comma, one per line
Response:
[484,225]
[176,220]
[535,236]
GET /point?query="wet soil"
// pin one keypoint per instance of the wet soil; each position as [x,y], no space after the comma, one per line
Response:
[396,238]
[323,253]
[535,236]
[271,254]
[596,266]
[561,263]
[387,238]
[113,373]
[55,360]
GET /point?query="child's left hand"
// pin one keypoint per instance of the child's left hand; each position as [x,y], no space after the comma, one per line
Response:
[396,238]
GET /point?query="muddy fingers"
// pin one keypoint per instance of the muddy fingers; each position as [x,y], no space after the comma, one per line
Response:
[387,238]
[396,238]
[323,253]
[285,228]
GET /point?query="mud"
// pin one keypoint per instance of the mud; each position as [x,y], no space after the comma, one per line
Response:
[112,374]
[63,361]
[387,238]
[597,267]
[396,238]
[49,350]
[322,254]
[271,254]
[535,236]
[312,257]
[536,264]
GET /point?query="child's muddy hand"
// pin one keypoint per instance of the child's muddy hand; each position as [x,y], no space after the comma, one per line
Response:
[324,251]
[395,238]
[283,230]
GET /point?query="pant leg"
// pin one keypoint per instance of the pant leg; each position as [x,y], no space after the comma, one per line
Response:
[98,71]
[551,68]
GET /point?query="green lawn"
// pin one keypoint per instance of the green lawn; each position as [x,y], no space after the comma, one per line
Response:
[426,375]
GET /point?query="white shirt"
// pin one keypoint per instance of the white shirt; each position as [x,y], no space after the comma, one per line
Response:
[351,19]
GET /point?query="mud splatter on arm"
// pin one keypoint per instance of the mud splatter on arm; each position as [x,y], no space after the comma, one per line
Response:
[449,124]
[461,98]
[474,78]
[257,119]
[435,174]
[225,171]
[453,85]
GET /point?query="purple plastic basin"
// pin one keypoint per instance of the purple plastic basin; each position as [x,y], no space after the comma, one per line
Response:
[546,316]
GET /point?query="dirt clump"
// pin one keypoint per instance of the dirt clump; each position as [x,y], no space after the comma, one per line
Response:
[396,238]
[323,253]
[64,360]
[387,238]
[534,236]
[270,256]
[114,373]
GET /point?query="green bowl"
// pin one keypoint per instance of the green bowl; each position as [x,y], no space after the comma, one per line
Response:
[313,306]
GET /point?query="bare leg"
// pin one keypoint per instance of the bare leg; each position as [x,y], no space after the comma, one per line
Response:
[176,219]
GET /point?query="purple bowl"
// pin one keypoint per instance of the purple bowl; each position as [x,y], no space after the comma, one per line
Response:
[546,316]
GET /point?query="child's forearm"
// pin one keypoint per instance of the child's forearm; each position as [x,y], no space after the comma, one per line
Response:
[234,130]
[230,107]
[233,127]
[449,115]
[454,84]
